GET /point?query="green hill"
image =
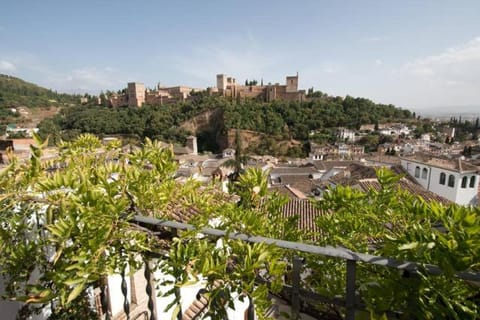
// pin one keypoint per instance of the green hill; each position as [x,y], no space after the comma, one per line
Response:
[15,92]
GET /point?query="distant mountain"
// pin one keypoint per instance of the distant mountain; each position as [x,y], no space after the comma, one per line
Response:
[15,92]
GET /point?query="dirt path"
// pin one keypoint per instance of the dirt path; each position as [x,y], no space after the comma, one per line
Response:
[31,117]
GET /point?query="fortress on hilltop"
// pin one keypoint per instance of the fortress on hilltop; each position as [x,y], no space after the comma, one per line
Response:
[135,95]
[228,87]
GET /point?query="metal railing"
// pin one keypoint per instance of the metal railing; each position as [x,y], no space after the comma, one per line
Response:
[297,294]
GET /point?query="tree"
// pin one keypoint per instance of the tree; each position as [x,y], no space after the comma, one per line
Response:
[239,160]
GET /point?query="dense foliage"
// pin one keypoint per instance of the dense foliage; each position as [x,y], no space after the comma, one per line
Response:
[465,129]
[394,223]
[297,119]
[279,120]
[156,122]
[65,225]
[15,92]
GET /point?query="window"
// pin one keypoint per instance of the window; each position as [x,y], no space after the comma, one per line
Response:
[424,173]
[443,178]
[472,182]
[417,172]
[451,181]
[464,182]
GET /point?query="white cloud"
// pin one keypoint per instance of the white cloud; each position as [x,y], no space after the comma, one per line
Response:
[373,39]
[79,80]
[7,66]
[456,65]
[378,62]
[448,78]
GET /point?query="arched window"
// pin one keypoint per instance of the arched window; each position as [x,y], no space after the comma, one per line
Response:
[472,182]
[417,172]
[443,178]
[464,182]
[424,173]
[451,181]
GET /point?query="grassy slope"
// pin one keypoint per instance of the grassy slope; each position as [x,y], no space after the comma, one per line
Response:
[15,92]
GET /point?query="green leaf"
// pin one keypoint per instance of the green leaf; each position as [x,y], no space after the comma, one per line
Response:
[72,282]
[76,292]
[408,246]
[175,312]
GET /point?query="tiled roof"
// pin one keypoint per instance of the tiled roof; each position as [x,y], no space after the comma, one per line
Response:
[352,173]
[199,305]
[293,171]
[184,211]
[180,213]
[407,185]
[302,183]
[282,189]
[458,165]
[196,309]
[307,214]
[327,165]
[365,178]
[299,194]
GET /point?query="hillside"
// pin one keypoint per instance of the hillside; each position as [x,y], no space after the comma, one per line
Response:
[277,128]
[15,92]
[26,104]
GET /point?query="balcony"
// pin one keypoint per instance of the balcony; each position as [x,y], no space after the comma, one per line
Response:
[299,302]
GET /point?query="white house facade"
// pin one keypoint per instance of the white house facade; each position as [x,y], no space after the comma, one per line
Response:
[454,180]
[345,134]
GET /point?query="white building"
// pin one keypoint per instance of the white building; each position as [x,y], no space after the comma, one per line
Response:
[455,180]
[425,137]
[408,149]
[345,134]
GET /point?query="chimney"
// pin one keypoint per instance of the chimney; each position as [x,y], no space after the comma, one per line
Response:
[192,144]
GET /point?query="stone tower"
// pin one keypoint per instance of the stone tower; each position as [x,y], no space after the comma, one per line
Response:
[136,94]
[292,83]
[221,81]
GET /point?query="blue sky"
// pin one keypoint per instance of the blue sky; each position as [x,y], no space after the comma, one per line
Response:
[414,54]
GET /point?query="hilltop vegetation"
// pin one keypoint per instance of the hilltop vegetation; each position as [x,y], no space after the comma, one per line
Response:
[297,119]
[160,122]
[278,119]
[15,92]
[287,123]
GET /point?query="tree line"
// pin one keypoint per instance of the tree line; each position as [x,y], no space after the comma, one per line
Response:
[296,119]
[281,119]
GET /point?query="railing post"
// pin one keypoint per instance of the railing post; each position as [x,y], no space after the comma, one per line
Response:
[350,292]
[297,267]
[126,304]
[104,298]
[149,290]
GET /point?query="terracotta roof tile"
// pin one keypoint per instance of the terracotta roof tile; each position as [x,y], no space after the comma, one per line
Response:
[407,185]
[306,212]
